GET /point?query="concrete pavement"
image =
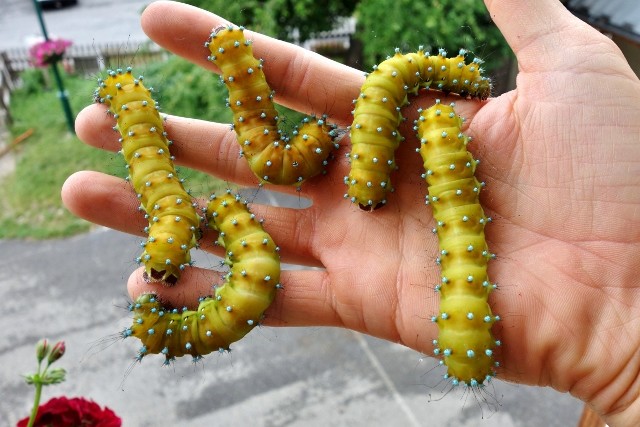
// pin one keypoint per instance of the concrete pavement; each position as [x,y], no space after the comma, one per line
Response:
[73,289]
[115,22]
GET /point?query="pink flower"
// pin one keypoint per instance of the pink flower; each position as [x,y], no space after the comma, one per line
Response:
[47,52]
[74,412]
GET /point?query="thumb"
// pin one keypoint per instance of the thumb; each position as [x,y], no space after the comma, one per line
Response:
[541,33]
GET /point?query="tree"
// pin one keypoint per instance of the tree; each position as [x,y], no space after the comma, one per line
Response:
[384,25]
[279,18]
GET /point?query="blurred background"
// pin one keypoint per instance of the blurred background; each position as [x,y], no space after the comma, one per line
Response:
[63,278]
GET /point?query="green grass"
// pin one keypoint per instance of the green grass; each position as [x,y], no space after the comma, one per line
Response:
[30,204]
[30,197]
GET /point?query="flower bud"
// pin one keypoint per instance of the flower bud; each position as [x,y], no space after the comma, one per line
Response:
[42,349]
[56,352]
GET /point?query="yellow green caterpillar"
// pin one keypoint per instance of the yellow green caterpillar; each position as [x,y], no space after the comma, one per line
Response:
[465,341]
[376,117]
[173,220]
[273,156]
[234,308]
[464,320]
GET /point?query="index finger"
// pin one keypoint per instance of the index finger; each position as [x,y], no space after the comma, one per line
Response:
[302,80]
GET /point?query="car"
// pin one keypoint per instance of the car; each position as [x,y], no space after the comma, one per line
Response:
[56,4]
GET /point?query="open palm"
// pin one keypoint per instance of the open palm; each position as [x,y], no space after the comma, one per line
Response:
[561,160]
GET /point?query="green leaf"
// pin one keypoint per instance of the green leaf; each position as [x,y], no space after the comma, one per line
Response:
[54,376]
[32,379]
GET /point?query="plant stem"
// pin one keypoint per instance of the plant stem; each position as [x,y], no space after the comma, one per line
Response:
[36,404]
[36,400]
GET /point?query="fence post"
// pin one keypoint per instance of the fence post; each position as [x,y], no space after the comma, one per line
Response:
[6,86]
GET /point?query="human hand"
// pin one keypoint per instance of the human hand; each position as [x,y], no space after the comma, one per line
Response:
[560,160]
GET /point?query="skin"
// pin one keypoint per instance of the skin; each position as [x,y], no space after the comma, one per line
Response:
[561,160]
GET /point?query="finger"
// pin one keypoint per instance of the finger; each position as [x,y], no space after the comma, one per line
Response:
[103,200]
[535,30]
[197,144]
[209,147]
[303,80]
[302,302]
[197,137]
[111,202]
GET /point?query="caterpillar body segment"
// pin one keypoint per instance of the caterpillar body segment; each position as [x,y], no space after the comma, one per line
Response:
[173,220]
[465,319]
[236,306]
[376,116]
[274,157]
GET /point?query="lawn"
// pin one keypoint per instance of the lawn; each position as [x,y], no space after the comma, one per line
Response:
[30,204]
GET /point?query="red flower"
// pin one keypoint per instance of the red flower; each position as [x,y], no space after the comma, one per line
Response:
[74,412]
